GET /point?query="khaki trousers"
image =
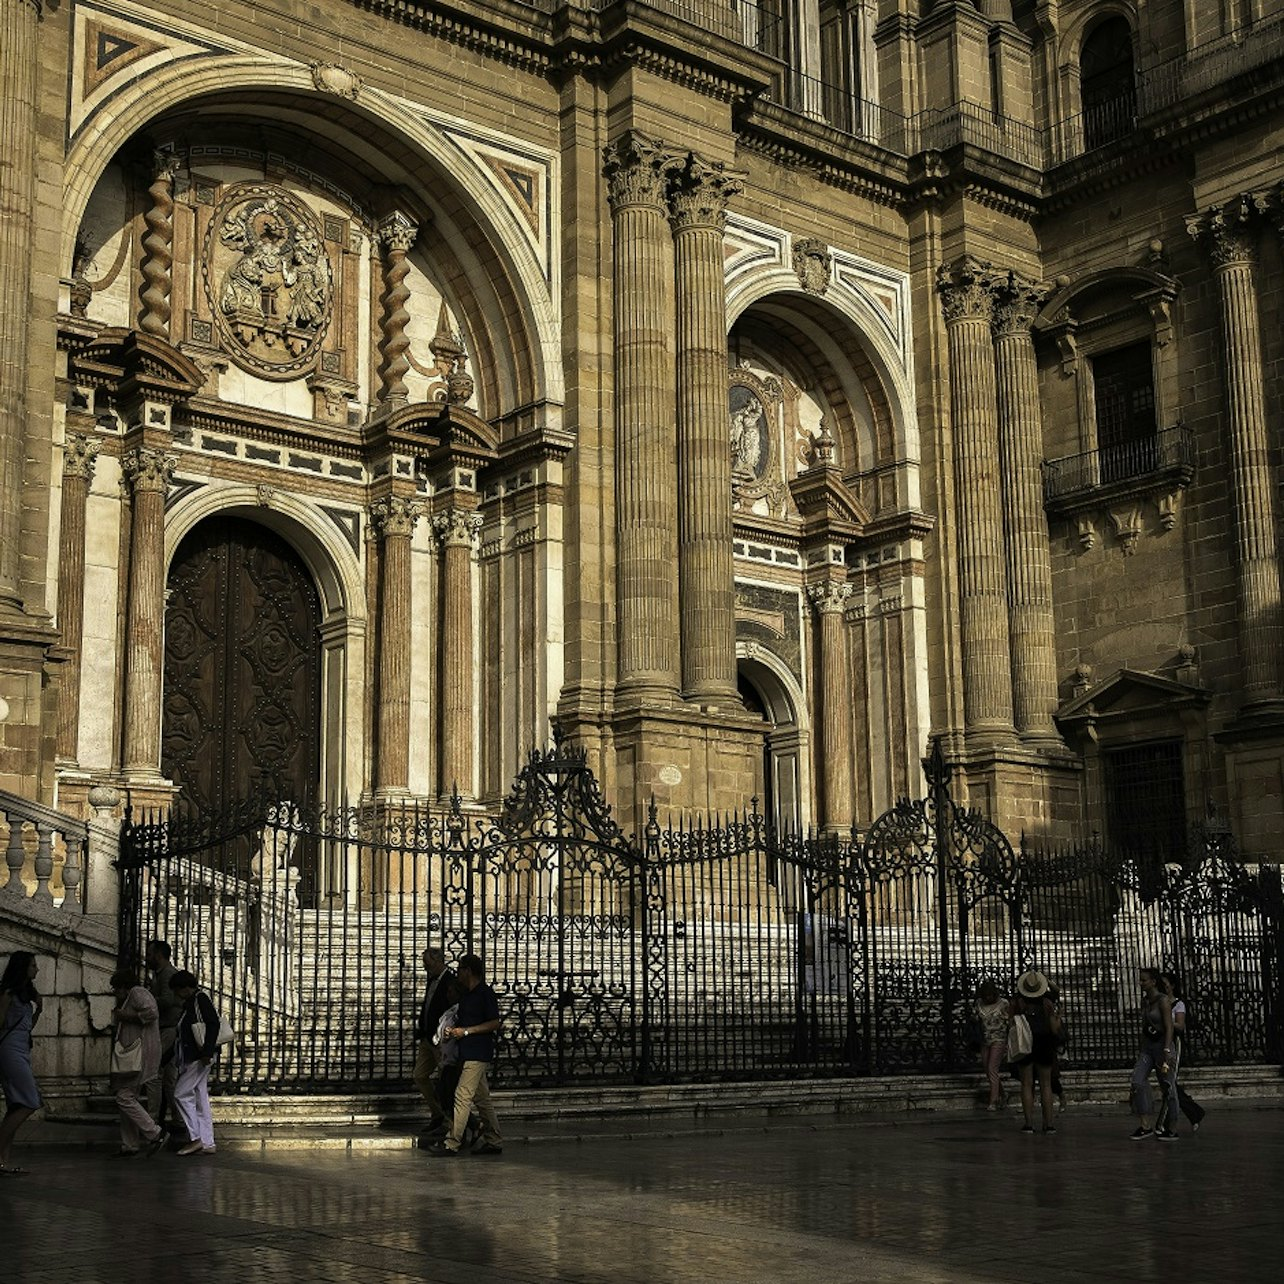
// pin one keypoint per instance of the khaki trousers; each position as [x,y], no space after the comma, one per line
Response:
[427,1059]
[473,1089]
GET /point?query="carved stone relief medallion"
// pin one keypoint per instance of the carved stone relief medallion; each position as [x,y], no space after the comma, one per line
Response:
[754,411]
[268,280]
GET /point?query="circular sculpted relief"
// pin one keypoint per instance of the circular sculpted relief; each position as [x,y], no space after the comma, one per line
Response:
[268,280]
[670,775]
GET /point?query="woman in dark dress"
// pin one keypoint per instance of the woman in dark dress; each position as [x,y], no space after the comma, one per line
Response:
[1032,1002]
[19,1008]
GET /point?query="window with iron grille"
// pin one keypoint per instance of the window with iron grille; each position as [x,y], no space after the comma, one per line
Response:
[1146,799]
[1124,394]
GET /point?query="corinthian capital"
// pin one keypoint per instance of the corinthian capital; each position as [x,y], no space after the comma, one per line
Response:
[1016,302]
[146,469]
[637,169]
[396,233]
[457,527]
[395,516]
[699,194]
[1229,232]
[965,289]
[829,598]
[79,455]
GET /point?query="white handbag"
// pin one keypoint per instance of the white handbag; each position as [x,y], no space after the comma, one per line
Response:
[126,1061]
[225,1032]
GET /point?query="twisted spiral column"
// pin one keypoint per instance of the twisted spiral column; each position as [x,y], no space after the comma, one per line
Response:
[79,457]
[1029,553]
[830,601]
[646,475]
[1228,233]
[457,530]
[158,248]
[964,288]
[698,198]
[396,237]
[18,51]
[394,518]
[147,472]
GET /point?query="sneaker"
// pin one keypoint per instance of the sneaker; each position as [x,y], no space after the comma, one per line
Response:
[157,1143]
[993,1106]
[486,1148]
[1142,1133]
[1049,1129]
[122,1153]
[1027,1127]
[1166,1134]
[442,1151]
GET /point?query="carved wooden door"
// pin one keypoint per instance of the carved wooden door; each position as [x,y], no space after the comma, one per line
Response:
[242,669]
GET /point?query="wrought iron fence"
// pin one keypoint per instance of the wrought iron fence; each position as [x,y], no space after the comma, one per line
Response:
[692,953]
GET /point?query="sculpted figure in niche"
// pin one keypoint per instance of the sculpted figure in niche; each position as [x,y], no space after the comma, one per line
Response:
[265,236]
[311,281]
[748,433]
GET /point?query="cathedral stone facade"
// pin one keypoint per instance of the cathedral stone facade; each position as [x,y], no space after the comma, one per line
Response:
[752,388]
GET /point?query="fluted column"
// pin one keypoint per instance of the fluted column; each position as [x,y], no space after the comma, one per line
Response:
[158,248]
[1229,235]
[964,288]
[394,518]
[706,574]
[1029,554]
[18,52]
[79,456]
[830,601]
[148,472]
[396,236]
[646,475]
[457,529]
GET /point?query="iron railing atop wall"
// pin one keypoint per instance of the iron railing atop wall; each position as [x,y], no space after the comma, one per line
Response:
[692,953]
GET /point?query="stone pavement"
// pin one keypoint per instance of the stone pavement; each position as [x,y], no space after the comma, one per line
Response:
[959,1199]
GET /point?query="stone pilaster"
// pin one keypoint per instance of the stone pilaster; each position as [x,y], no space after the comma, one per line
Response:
[395,236]
[1228,233]
[1029,554]
[394,518]
[19,20]
[79,457]
[698,198]
[457,529]
[830,601]
[646,475]
[158,248]
[148,472]
[966,300]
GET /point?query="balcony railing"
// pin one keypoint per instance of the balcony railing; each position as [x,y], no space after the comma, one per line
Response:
[745,21]
[1169,451]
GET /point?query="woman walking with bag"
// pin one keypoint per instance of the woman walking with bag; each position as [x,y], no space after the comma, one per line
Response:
[195,1046]
[135,1062]
[1033,1049]
[19,1010]
[1158,1054]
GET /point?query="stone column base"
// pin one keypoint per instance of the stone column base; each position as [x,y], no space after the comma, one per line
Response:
[1023,789]
[695,763]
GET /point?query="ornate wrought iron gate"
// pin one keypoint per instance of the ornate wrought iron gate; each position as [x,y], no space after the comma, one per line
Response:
[695,954]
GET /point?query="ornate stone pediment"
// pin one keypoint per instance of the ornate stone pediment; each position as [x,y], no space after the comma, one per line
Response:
[1128,695]
[129,363]
[268,280]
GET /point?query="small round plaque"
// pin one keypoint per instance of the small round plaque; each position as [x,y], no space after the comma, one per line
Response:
[670,775]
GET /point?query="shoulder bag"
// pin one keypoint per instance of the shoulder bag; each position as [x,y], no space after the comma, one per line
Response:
[126,1061]
[1020,1038]
[225,1031]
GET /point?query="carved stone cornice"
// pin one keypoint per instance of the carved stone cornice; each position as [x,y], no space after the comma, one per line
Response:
[830,598]
[699,193]
[965,289]
[146,469]
[458,527]
[1017,301]
[1228,232]
[79,456]
[395,515]
[637,170]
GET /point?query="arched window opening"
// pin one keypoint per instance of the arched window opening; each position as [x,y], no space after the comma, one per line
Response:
[1107,83]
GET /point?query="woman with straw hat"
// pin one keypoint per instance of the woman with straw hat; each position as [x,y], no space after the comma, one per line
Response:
[1031,1001]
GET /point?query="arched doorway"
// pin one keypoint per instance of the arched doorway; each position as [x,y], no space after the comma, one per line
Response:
[242,703]
[784,786]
